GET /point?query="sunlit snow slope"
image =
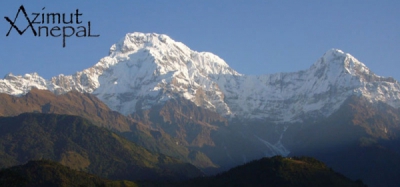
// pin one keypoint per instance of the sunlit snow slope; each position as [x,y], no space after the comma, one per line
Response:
[146,69]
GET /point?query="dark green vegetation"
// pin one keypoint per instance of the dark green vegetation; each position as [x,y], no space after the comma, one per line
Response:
[280,172]
[361,140]
[90,107]
[52,174]
[75,142]
[276,171]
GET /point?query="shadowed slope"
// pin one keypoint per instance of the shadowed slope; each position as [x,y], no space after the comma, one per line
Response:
[52,174]
[77,143]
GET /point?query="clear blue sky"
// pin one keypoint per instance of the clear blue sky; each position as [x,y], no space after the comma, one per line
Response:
[253,37]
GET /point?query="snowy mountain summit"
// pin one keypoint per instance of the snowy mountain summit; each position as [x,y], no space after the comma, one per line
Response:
[143,70]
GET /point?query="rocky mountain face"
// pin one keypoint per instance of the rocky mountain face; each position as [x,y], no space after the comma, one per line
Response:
[143,70]
[190,124]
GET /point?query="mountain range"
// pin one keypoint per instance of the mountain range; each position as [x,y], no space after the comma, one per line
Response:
[143,70]
[191,105]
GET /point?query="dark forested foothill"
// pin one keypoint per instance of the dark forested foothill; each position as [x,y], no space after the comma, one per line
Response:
[280,172]
[76,143]
[52,174]
[274,172]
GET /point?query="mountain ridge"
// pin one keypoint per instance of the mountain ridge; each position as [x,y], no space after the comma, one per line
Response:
[143,70]
[88,106]
[76,142]
[275,171]
[360,140]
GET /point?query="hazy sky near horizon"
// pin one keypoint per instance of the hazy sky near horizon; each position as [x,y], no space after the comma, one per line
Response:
[253,37]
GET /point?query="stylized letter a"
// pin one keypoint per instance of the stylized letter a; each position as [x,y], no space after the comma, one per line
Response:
[12,23]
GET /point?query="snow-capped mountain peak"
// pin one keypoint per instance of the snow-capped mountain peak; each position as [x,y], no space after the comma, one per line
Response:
[146,69]
[343,62]
[143,70]
[20,85]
